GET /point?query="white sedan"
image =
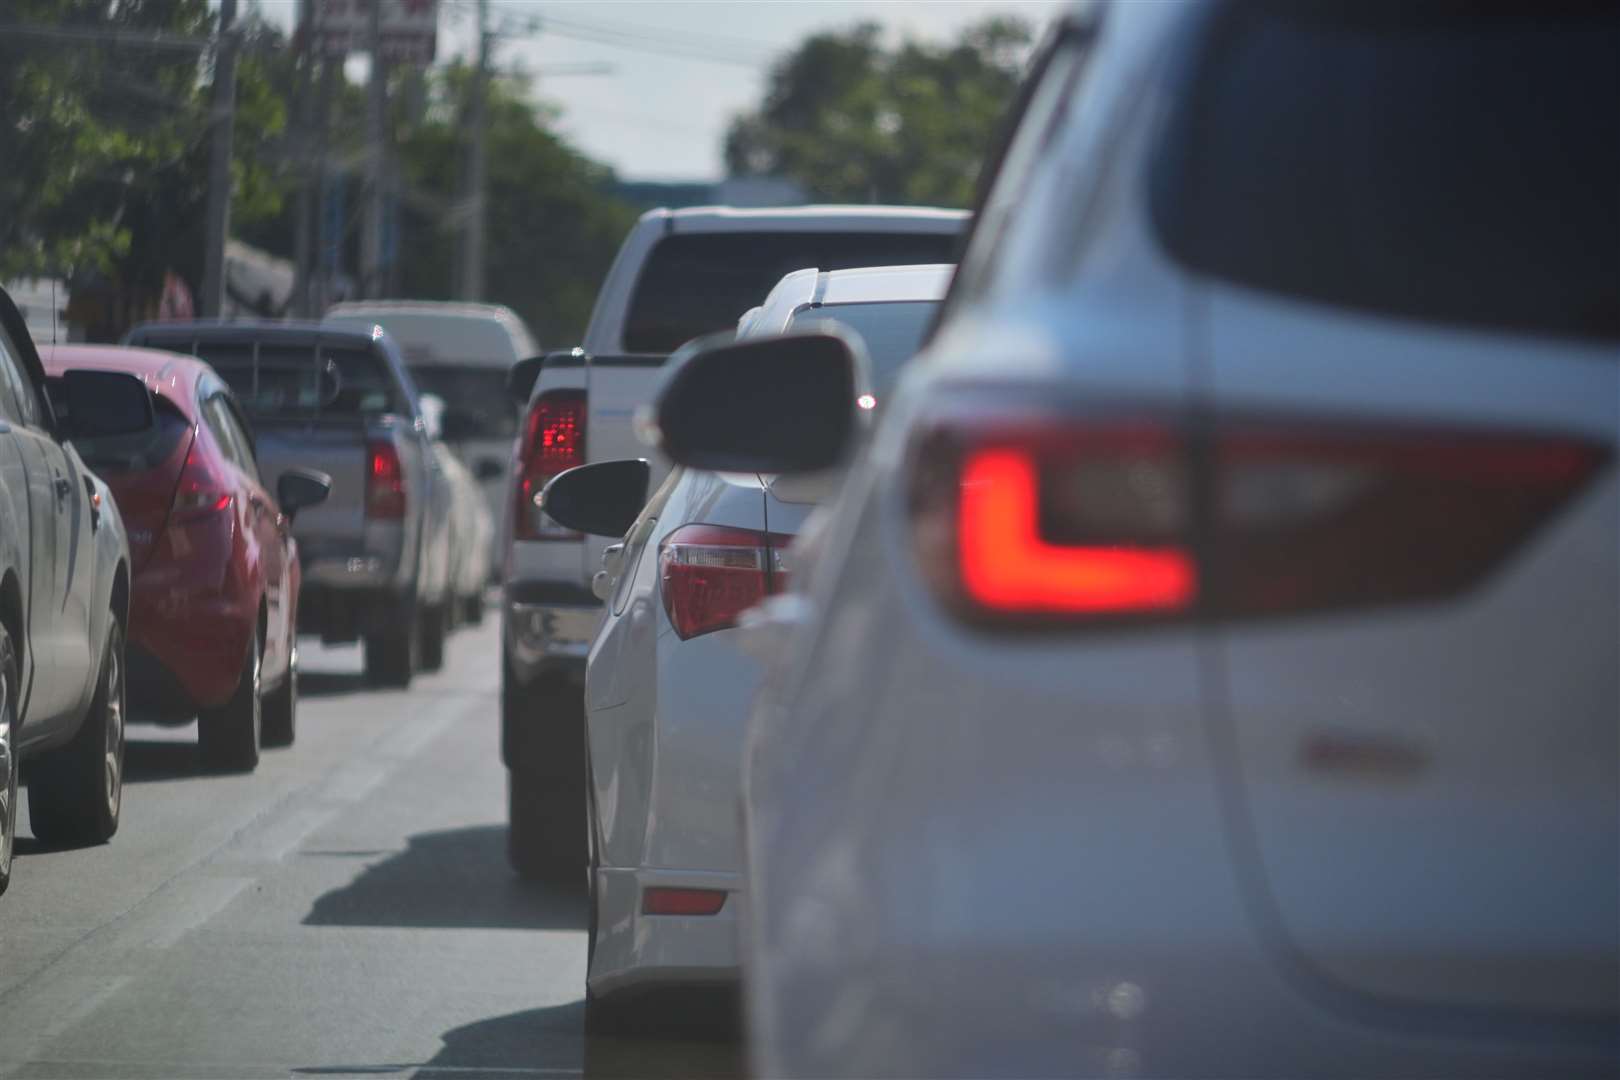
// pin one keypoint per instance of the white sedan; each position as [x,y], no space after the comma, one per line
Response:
[670,681]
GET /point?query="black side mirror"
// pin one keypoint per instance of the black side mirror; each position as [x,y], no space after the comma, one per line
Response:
[779,404]
[297,488]
[101,404]
[521,376]
[489,469]
[603,499]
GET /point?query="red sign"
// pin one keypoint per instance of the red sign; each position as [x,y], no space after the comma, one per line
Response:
[407,30]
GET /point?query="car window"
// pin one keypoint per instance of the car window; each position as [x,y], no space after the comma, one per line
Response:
[476,402]
[16,390]
[890,331]
[217,416]
[1430,165]
[299,381]
[699,283]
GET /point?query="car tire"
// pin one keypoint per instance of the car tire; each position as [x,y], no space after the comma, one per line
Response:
[281,708]
[473,609]
[75,793]
[229,735]
[543,728]
[392,658]
[434,618]
[543,837]
[9,686]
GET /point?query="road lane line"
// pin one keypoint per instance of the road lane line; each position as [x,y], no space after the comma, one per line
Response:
[58,1007]
[176,911]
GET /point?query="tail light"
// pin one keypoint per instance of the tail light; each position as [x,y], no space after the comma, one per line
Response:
[1038,521]
[711,574]
[200,494]
[668,901]
[385,482]
[553,441]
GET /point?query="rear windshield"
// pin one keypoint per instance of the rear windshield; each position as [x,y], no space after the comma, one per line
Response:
[476,404]
[890,331]
[137,453]
[700,283]
[1405,160]
[301,382]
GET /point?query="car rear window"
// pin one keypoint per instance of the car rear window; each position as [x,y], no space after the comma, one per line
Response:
[301,381]
[891,331]
[136,453]
[703,282]
[1405,159]
[477,404]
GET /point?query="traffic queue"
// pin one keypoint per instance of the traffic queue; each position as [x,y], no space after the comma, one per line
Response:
[177,510]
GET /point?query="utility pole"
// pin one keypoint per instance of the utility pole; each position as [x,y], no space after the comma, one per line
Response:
[371,240]
[304,109]
[472,249]
[218,220]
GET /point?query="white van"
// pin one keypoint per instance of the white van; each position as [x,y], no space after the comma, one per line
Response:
[460,352]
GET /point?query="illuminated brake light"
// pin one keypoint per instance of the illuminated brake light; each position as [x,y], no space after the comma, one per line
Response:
[200,494]
[668,901]
[711,574]
[553,441]
[385,482]
[1006,565]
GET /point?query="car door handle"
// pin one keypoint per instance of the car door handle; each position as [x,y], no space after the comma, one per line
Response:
[612,557]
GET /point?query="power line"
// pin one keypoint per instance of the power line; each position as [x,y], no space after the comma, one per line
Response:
[89,36]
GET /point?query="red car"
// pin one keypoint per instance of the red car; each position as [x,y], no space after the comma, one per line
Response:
[214,608]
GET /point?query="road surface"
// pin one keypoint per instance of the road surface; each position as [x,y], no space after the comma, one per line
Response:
[346,910]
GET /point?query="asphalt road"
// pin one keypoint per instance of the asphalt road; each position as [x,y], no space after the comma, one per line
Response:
[346,910]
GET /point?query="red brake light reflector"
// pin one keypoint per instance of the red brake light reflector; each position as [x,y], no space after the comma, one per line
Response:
[1006,565]
[553,441]
[668,901]
[385,482]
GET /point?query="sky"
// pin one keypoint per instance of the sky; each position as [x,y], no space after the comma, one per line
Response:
[658,116]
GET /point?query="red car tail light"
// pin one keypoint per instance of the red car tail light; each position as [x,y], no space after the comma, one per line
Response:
[385,482]
[669,901]
[553,441]
[1075,522]
[200,494]
[711,574]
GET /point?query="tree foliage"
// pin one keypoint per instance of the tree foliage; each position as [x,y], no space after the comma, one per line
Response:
[854,121]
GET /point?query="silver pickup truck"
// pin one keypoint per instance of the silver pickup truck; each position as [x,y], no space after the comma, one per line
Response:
[376,554]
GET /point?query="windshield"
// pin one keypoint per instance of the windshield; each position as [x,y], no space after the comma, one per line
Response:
[476,404]
[697,284]
[891,332]
[293,381]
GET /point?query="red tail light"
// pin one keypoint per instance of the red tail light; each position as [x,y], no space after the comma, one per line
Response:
[385,482]
[1048,522]
[553,441]
[667,901]
[200,493]
[711,574]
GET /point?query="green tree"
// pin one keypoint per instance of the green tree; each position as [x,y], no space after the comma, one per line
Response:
[854,121]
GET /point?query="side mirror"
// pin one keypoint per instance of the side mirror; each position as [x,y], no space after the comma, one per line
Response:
[297,488]
[603,499]
[521,376]
[489,469]
[778,404]
[101,404]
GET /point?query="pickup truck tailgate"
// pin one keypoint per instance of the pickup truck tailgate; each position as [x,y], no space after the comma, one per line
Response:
[339,450]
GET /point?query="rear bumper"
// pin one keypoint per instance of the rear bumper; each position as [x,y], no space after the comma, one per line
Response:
[636,951]
[185,649]
[548,627]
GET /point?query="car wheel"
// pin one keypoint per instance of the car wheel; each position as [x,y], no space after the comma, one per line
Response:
[434,618]
[473,609]
[543,731]
[281,708]
[393,657]
[228,736]
[8,755]
[75,793]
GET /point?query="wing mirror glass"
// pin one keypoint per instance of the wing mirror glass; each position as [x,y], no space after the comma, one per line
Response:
[603,499]
[432,406]
[298,488]
[779,404]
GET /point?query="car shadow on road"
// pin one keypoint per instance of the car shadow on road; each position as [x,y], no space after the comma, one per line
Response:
[331,683]
[523,1045]
[149,761]
[408,889]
